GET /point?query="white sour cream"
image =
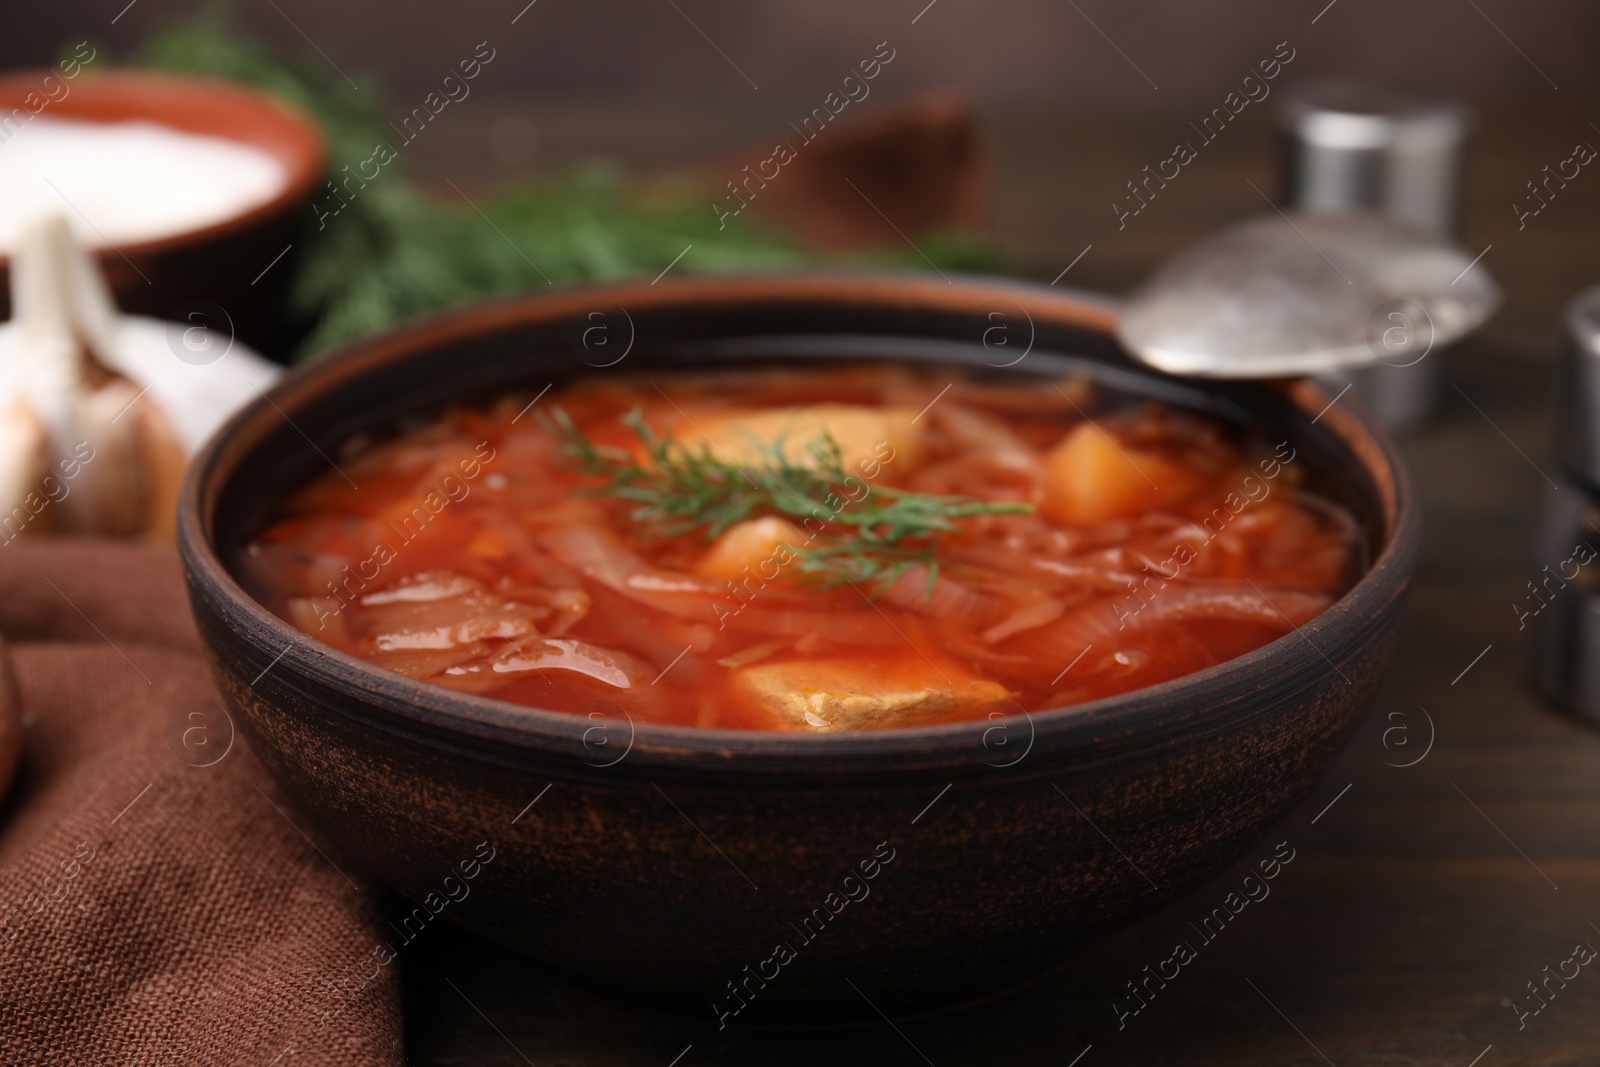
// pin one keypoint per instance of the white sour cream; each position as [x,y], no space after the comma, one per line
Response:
[127,182]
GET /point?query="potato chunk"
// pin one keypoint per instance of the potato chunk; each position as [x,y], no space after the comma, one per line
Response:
[867,436]
[852,694]
[750,544]
[1093,479]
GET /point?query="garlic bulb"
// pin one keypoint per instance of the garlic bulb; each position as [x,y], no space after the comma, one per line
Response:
[98,411]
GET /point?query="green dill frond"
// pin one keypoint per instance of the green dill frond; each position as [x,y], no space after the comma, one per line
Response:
[677,490]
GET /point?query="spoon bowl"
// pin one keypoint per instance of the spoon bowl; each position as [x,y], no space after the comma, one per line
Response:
[1292,294]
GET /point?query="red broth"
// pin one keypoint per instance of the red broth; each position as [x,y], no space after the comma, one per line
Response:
[471,552]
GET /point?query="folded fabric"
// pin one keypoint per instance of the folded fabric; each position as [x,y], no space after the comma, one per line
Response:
[160,901]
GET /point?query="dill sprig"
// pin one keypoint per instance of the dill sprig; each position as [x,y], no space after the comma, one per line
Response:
[678,491]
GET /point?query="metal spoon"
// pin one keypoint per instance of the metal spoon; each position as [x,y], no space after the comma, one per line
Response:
[1289,294]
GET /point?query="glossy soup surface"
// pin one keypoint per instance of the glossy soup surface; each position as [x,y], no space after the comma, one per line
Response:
[472,551]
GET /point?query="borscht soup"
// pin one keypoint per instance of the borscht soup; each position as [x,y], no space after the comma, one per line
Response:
[819,549]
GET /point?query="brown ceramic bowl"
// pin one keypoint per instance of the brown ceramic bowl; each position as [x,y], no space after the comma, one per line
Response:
[664,861]
[216,264]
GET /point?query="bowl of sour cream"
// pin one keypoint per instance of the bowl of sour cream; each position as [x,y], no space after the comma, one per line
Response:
[189,191]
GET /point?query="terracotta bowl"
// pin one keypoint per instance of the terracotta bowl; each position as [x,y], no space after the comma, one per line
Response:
[216,264]
[665,861]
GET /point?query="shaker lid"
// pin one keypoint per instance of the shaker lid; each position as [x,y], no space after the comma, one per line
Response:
[1352,116]
[1578,411]
[1583,321]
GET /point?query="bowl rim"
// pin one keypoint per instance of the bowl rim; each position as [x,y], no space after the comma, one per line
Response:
[305,166]
[405,702]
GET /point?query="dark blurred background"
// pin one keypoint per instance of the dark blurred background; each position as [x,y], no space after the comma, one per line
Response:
[1018,52]
[1074,97]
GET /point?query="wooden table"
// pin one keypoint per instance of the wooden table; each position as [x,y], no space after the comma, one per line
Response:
[1423,899]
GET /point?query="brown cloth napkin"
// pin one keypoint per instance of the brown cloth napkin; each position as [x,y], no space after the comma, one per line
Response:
[159,900]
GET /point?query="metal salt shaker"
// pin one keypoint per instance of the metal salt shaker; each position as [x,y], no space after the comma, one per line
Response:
[1562,600]
[1351,147]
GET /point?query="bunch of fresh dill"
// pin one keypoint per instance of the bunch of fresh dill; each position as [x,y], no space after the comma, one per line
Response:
[394,252]
[880,534]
